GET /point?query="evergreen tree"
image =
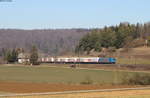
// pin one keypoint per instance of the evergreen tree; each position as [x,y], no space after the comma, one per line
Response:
[34,56]
[10,55]
[14,55]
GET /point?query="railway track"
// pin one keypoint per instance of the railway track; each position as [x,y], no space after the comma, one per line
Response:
[73,92]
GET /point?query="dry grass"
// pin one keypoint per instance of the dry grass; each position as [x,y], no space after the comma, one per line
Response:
[115,94]
[142,50]
[133,61]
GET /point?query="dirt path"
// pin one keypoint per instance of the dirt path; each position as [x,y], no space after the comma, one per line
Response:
[114,94]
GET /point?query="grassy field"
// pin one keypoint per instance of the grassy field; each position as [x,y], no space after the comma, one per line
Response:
[132,61]
[60,75]
[140,55]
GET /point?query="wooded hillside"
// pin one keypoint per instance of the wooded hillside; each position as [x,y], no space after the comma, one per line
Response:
[125,35]
[47,41]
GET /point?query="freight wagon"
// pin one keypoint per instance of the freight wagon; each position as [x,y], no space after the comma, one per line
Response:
[76,60]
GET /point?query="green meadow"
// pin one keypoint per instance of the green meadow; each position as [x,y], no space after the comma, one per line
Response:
[46,74]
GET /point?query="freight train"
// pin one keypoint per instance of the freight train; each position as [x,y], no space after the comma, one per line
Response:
[76,60]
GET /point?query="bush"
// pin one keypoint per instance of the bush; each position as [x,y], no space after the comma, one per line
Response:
[137,43]
[87,80]
[137,79]
[111,49]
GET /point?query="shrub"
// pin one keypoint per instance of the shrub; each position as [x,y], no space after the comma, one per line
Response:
[137,43]
[137,79]
[87,80]
[111,49]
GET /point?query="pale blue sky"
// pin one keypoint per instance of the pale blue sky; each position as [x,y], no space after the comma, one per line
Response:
[37,14]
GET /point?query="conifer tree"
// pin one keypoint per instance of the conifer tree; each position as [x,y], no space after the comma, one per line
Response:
[34,55]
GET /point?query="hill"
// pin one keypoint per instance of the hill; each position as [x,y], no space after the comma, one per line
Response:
[125,35]
[49,41]
[139,55]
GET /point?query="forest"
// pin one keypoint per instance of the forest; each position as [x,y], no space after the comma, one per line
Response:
[47,41]
[124,35]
